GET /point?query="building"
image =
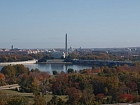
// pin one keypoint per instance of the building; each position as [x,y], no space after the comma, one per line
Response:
[57,55]
[70,49]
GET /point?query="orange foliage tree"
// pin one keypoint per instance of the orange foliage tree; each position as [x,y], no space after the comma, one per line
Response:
[2,79]
[74,95]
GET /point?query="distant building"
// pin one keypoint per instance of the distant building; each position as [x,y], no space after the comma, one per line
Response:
[20,51]
[70,49]
[58,55]
[12,47]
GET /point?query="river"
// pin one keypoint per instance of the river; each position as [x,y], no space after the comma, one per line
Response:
[57,67]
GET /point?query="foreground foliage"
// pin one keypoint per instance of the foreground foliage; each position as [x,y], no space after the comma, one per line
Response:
[8,99]
[84,87]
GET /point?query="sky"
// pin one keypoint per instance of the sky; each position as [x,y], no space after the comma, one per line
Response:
[88,23]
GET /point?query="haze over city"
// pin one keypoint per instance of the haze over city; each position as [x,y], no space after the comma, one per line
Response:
[89,24]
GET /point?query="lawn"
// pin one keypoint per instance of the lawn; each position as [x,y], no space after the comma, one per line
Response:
[30,95]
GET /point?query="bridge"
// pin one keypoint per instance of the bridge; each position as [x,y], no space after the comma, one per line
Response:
[109,63]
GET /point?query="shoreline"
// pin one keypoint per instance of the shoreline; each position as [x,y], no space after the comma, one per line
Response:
[19,62]
[35,62]
[54,63]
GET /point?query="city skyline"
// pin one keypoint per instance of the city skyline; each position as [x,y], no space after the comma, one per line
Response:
[89,24]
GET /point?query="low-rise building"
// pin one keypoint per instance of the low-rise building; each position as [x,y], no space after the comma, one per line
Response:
[56,54]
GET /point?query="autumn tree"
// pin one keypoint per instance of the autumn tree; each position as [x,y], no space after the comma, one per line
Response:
[44,76]
[39,100]
[2,79]
[100,97]
[60,84]
[74,95]
[88,98]
[126,98]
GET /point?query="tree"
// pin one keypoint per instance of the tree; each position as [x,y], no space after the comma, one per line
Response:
[126,98]
[56,101]
[35,88]
[20,69]
[39,100]
[100,97]
[26,82]
[55,72]
[70,70]
[2,79]
[136,64]
[74,95]
[35,70]
[59,86]
[44,76]
[88,97]
[4,59]
[8,71]
[56,89]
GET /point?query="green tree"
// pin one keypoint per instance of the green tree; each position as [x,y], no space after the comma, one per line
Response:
[70,70]
[21,69]
[8,71]
[35,70]
[55,72]
[35,88]
[25,83]
[56,101]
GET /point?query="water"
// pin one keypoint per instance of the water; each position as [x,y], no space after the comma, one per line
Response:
[57,67]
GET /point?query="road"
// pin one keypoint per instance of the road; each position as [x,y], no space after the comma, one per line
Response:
[12,86]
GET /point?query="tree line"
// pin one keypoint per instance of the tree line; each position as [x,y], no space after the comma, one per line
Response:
[43,57]
[118,56]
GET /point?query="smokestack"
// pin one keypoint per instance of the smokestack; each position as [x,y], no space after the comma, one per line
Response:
[66,49]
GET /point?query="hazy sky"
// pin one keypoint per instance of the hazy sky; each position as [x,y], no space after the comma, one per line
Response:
[88,23]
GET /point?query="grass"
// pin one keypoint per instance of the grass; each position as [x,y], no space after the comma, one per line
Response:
[49,97]
[12,92]
[30,96]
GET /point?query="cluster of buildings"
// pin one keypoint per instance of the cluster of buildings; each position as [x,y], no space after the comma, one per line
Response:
[57,53]
[20,51]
